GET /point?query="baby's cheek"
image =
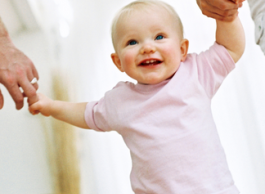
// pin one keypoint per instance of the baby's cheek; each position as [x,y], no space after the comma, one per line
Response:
[128,62]
[128,58]
[172,53]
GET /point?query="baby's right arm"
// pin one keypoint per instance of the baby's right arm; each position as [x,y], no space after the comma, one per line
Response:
[231,35]
[72,113]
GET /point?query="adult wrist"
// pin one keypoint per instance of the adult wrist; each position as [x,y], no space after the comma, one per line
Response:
[5,39]
[3,31]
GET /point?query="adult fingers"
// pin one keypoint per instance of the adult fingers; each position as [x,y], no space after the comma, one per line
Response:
[29,89]
[222,4]
[25,78]
[35,72]
[35,75]
[1,99]
[212,15]
[32,76]
[226,14]
[16,94]
[36,86]
[238,1]
[10,82]
[33,99]
[211,11]
[199,3]
[219,17]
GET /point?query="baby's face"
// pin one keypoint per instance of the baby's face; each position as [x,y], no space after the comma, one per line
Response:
[148,46]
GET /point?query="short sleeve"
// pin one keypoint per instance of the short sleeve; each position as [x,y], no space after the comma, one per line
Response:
[213,66]
[96,116]
[107,113]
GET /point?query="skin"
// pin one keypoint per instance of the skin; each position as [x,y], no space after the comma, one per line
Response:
[154,38]
[139,38]
[16,70]
[72,113]
[223,10]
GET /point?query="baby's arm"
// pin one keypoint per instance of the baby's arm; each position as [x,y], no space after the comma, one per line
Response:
[72,113]
[231,35]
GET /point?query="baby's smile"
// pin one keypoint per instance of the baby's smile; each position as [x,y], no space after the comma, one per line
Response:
[150,62]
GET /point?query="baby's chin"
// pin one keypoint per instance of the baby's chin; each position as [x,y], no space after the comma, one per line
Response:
[155,81]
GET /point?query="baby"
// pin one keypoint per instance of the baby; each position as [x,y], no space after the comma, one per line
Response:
[165,119]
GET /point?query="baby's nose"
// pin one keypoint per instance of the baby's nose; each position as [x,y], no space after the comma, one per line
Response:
[148,48]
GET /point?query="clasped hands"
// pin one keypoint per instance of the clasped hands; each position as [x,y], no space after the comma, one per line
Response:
[16,70]
[224,10]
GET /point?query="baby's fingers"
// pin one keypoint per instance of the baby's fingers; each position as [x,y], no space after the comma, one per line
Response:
[35,112]
[33,109]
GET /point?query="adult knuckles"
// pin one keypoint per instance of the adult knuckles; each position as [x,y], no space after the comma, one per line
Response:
[28,66]
[21,69]
[203,5]
[206,12]
[30,63]
[8,78]
[226,13]
[222,5]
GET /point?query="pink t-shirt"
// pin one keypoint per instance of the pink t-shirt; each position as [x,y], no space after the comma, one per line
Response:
[169,128]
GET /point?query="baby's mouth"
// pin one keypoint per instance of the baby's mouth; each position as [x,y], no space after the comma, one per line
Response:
[150,62]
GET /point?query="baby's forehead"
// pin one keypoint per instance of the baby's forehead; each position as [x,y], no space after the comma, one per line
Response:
[142,8]
[132,14]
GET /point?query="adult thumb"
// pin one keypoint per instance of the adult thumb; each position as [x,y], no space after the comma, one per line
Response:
[33,99]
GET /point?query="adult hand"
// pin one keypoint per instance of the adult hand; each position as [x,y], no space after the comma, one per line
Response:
[16,70]
[224,10]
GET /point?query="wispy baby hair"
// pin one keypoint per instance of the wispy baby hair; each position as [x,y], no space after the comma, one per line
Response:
[144,4]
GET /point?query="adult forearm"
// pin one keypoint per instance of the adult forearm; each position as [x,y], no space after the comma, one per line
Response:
[72,113]
[5,40]
[231,35]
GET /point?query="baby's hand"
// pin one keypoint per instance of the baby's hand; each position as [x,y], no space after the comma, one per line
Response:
[43,105]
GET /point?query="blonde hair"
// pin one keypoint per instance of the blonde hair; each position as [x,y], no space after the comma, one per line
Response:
[135,5]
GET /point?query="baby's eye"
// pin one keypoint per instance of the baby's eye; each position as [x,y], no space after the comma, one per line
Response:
[132,42]
[159,37]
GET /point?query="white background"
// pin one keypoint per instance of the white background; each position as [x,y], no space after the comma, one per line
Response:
[84,56]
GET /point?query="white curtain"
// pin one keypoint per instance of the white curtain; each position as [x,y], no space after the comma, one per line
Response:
[238,106]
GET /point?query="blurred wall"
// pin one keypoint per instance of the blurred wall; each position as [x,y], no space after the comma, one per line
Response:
[24,167]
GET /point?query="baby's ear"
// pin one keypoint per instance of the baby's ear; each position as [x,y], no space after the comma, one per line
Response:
[184,46]
[116,60]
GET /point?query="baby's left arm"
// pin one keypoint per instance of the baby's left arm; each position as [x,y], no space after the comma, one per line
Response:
[72,113]
[231,35]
